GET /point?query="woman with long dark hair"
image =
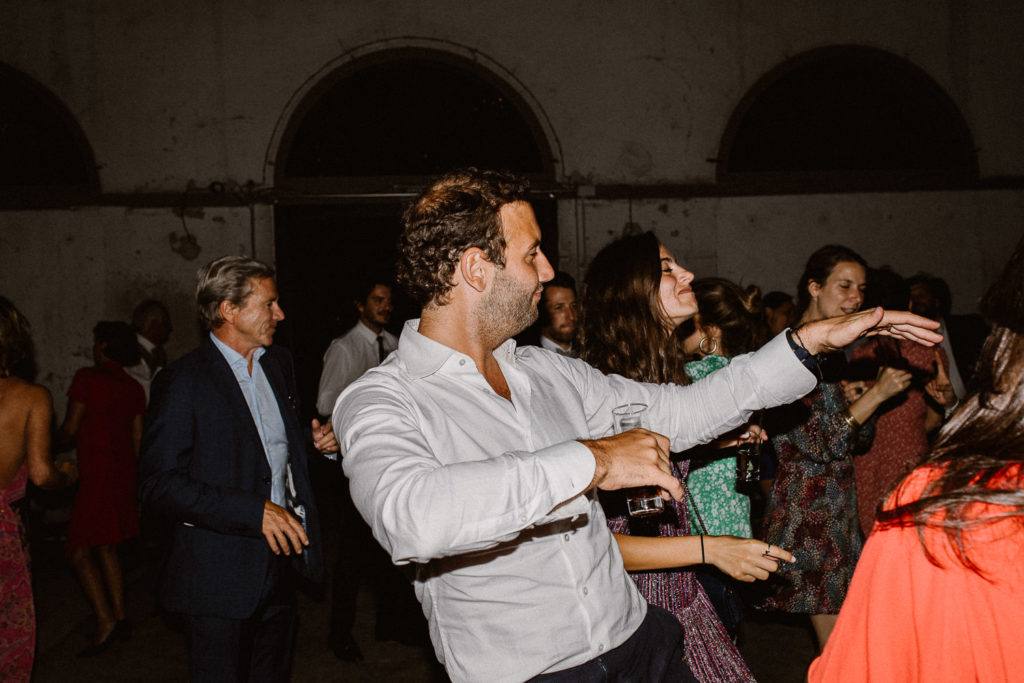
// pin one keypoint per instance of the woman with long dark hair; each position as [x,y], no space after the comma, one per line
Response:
[635,296]
[812,508]
[938,592]
[26,416]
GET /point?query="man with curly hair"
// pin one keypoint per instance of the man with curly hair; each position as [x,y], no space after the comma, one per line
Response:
[477,462]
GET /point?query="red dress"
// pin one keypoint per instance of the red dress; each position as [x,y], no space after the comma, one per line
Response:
[105,509]
[17,613]
[906,619]
[900,437]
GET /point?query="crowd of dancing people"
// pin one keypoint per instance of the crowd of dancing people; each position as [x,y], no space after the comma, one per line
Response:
[885,503]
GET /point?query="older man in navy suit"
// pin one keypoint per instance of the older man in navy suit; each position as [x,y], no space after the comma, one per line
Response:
[224,463]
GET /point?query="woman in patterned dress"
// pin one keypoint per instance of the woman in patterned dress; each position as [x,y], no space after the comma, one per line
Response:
[25,421]
[635,296]
[727,325]
[812,509]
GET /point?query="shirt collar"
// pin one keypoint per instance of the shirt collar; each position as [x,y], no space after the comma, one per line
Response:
[234,358]
[423,356]
[365,332]
[145,343]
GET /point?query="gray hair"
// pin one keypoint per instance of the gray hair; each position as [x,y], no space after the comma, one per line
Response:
[228,278]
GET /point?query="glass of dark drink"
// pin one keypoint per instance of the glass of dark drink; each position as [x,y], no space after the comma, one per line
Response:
[641,501]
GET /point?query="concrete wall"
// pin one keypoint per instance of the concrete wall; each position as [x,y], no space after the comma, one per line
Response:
[191,92]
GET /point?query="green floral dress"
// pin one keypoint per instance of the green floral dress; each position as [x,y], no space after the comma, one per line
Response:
[712,478]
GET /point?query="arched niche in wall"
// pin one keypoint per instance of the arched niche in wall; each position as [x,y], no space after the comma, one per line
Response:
[45,159]
[846,118]
[395,118]
[360,142]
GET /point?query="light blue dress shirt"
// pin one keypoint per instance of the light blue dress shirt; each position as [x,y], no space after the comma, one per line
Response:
[265,413]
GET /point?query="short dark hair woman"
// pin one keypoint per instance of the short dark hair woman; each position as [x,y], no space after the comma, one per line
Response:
[938,591]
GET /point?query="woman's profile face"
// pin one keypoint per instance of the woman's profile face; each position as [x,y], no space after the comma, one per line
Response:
[675,296]
[842,292]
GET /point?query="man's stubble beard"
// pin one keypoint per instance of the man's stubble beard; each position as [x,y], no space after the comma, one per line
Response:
[508,310]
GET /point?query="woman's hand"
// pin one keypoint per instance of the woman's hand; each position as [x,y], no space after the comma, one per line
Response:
[744,559]
[852,390]
[940,388]
[891,381]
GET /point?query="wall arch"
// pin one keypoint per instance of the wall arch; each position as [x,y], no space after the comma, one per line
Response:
[847,118]
[45,158]
[379,55]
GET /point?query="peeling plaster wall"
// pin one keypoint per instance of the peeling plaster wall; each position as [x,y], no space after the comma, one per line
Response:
[67,270]
[173,95]
[965,237]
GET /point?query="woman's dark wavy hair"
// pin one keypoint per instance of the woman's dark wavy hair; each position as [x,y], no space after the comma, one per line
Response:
[732,309]
[15,341]
[623,326]
[985,437]
[459,211]
[817,269]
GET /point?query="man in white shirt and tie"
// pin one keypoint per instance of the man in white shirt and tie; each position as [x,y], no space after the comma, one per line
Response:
[360,558]
[361,348]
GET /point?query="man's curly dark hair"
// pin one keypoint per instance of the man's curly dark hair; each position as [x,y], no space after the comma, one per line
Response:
[459,211]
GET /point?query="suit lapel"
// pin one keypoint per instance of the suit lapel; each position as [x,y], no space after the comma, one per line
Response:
[226,384]
[285,399]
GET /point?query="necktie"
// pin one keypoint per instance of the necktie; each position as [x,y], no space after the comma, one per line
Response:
[381,353]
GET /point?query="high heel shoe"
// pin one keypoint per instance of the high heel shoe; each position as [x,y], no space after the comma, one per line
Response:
[99,648]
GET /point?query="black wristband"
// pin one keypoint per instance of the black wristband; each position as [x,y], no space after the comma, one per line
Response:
[805,357]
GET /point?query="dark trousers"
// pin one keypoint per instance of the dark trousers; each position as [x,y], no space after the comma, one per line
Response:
[361,558]
[257,648]
[654,653]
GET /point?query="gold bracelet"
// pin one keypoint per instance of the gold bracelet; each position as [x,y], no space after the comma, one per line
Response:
[850,419]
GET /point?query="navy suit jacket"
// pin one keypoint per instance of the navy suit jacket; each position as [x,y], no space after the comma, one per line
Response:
[203,469]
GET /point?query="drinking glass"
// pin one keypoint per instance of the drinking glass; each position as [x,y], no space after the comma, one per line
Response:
[641,501]
[748,457]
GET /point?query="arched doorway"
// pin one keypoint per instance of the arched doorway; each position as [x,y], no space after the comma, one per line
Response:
[360,143]
[846,118]
[45,159]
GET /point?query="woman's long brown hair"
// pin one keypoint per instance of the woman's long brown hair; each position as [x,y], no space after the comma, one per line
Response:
[623,327]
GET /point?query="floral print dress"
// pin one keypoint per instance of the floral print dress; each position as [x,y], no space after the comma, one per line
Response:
[812,509]
[712,479]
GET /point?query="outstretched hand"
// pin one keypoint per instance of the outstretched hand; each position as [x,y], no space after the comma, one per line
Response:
[832,334]
[635,458]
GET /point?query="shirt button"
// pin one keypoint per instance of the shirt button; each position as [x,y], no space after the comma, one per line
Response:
[462,361]
[586,590]
[566,537]
[600,648]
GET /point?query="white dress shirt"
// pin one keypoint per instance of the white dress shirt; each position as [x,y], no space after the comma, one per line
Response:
[141,372]
[348,357]
[517,570]
[552,345]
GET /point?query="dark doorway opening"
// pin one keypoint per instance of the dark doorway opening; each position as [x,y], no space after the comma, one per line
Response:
[359,146]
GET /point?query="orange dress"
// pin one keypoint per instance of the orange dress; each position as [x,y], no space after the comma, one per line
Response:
[906,619]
